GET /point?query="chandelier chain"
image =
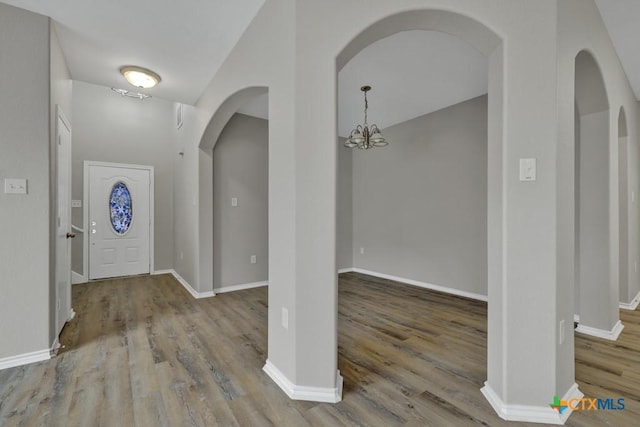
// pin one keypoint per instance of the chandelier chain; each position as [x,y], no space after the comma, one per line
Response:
[366,106]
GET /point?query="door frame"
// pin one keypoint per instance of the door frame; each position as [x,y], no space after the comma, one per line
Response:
[85,211]
[60,116]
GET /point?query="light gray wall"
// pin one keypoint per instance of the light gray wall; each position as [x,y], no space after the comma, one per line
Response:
[593,220]
[623,212]
[420,204]
[110,128]
[185,196]
[61,96]
[344,223]
[240,170]
[24,153]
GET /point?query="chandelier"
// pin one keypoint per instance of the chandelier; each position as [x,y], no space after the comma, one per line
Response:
[362,136]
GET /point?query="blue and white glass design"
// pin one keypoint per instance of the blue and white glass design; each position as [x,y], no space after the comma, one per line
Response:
[121,208]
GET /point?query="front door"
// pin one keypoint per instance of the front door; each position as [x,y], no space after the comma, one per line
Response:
[63,221]
[120,220]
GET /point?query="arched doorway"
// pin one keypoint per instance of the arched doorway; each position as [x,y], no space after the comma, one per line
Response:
[596,241]
[628,266]
[240,203]
[211,135]
[502,352]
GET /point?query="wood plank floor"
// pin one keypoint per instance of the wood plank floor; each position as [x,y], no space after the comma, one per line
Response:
[142,352]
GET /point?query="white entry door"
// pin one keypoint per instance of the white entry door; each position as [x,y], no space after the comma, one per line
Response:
[120,219]
[63,221]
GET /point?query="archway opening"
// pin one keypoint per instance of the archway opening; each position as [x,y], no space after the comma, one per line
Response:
[626,294]
[234,203]
[393,223]
[595,271]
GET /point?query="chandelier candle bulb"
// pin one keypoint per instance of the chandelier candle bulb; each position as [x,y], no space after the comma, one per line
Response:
[362,136]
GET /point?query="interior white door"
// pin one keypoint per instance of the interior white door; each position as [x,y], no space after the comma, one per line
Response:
[63,227]
[119,221]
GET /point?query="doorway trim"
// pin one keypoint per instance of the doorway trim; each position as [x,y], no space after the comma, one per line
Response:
[85,210]
[59,324]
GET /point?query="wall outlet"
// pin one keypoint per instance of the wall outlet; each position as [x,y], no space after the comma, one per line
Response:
[234,202]
[361,250]
[76,203]
[253,259]
[285,318]
[561,332]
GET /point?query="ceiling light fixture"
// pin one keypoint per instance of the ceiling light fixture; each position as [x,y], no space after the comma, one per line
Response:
[124,92]
[362,136]
[140,77]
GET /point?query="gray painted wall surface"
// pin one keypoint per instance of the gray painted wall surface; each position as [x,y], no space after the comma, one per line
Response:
[623,212]
[240,170]
[593,222]
[111,128]
[24,148]
[185,194]
[420,204]
[344,224]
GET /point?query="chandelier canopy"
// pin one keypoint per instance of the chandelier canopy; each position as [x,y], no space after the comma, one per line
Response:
[363,136]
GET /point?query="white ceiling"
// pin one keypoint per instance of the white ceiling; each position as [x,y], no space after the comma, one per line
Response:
[412,73]
[184,41]
[622,18]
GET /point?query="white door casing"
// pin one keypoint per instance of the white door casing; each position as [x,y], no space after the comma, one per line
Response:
[63,221]
[110,253]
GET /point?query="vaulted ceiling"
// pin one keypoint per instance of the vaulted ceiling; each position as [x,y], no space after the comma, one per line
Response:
[412,73]
[185,41]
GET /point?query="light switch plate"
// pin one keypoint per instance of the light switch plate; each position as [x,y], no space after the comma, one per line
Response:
[15,186]
[527,169]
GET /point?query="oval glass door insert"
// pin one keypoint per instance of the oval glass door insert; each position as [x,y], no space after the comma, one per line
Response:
[121,207]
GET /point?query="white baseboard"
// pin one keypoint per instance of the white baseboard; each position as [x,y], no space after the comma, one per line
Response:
[425,285]
[345,270]
[533,414]
[631,305]
[26,358]
[77,278]
[185,284]
[55,346]
[297,392]
[611,335]
[240,287]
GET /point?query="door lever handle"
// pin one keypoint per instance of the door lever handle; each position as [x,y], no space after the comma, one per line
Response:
[71,235]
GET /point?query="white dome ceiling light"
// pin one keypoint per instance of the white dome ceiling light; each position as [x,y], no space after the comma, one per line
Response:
[140,77]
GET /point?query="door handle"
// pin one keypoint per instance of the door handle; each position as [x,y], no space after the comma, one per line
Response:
[71,235]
